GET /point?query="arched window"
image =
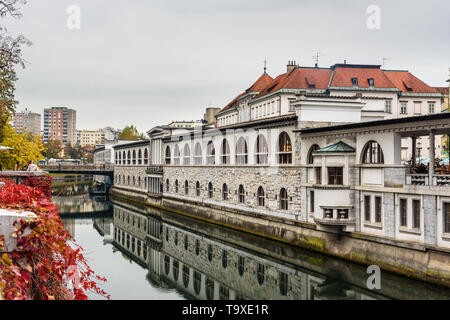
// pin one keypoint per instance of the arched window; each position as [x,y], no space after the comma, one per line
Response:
[313,148]
[128,180]
[167,185]
[175,269]
[283,281]
[186,272]
[167,155]
[176,155]
[186,187]
[225,152]
[116,158]
[241,151]
[210,252]
[124,158]
[261,196]
[284,149]
[372,153]
[241,194]
[146,156]
[134,156]
[225,192]
[140,156]
[197,247]
[186,242]
[186,154]
[129,157]
[134,180]
[197,189]
[210,153]
[210,190]
[139,181]
[262,150]
[176,186]
[166,264]
[283,199]
[198,154]
[224,259]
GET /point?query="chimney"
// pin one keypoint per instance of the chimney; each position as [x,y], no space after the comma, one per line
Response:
[291,66]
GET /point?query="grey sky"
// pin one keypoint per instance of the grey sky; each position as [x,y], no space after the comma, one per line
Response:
[148,62]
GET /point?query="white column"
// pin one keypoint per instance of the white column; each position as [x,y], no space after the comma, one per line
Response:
[431,157]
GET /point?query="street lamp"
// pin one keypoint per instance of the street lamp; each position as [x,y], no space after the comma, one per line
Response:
[419,147]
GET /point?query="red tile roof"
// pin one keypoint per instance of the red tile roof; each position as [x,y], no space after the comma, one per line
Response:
[442,90]
[342,77]
[404,80]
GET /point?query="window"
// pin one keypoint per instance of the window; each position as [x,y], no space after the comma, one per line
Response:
[186,187]
[310,153]
[134,156]
[241,151]
[210,252]
[318,175]
[367,208]
[167,185]
[198,154]
[403,212]
[403,107]
[262,150]
[335,175]
[355,82]
[166,264]
[372,153]
[283,199]
[311,201]
[446,213]
[197,247]
[224,191]
[176,186]
[388,106]
[146,156]
[261,196]
[210,190]
[129,157]
[197,189]
[371,83]
[167,155]
[283,283]
[176,155]
[378,203]
[225,149]
[139,156]
[241,265]
[430,107]
[186,154]
[175,269]
[186,272]
[241,194]
[284,149]
[224,259]
[416,214]
[210,153]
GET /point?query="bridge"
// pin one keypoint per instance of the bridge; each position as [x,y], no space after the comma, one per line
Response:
[98,170]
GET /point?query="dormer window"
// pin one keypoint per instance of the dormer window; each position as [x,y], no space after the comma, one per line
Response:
[371,83]
[355,82]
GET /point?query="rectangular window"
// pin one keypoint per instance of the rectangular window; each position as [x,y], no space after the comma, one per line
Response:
[403,108]
[378,209]
[335,175]
[318,175]
[388,106]
[416,214]
[446,213]
[366,208]
[311,201]
[430,107]
[403,212]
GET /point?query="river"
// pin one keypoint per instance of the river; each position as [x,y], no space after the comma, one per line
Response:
[152,254]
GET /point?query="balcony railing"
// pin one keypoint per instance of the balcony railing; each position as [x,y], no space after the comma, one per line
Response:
[423,179]
[154,170]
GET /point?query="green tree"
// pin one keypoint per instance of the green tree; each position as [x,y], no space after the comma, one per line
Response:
[26,147]
[73,152]
[130,133]
[53,149]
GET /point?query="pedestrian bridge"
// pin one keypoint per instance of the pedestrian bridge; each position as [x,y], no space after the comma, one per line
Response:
[99,170]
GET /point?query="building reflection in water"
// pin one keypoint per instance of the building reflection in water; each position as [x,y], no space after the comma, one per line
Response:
[203,261]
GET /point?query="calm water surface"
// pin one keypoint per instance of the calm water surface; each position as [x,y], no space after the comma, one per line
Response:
[152,254]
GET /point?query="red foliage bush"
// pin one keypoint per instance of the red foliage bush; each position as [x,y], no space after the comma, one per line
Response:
[47,264]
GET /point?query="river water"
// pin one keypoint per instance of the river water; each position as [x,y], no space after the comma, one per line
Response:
[152,254]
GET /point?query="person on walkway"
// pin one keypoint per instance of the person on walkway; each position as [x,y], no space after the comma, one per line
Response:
[17,166]
[32,167]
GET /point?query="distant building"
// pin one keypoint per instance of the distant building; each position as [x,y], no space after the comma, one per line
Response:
[90,137]
[60,124]
[111,134]
[27,122]
[187,124]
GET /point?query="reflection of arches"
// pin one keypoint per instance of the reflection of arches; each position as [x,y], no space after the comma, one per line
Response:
[186,154]
[167,264]
[372,153]
[225,152]
[310,158]
[186,272]
[241,151]
[167,155]
[262,150]
[210,153]
[198,153]
[284,148]
[241,265]
[197,282]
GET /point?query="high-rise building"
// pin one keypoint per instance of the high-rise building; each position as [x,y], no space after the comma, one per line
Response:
[26,121]
[90,137]
[60,124]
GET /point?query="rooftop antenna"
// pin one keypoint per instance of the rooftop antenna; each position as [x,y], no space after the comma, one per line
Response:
[384,62]
[265,65]
[316,58]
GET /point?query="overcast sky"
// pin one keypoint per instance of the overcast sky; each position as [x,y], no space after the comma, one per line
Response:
[146,62]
